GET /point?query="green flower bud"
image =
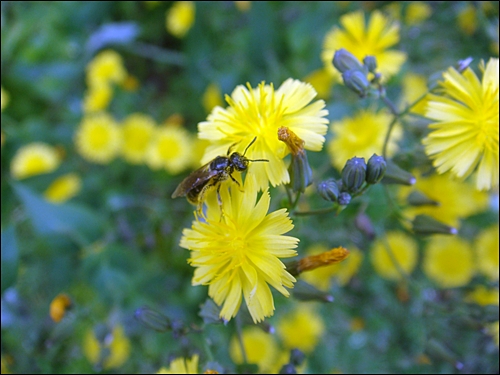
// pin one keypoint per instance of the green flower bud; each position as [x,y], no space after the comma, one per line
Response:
[398,176]
[356,80]
[423,224]
[328,190]
[300,172]
[370,62]
[375,169]
[153,319]
[417,198]
[297,357]
[303,291]
[344,199]
[343,60]
[354,174]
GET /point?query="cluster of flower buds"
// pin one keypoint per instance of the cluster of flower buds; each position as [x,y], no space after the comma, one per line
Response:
[355,74]
[356,176]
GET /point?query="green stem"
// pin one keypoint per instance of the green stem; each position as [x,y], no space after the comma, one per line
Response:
[239,334]
[319,211]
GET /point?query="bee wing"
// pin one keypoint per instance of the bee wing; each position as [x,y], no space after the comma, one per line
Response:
[195,178]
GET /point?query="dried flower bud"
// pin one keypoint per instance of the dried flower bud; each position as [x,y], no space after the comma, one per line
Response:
[58,307]
[312,262]
[299,170]
[354,174]
[375,169]
[328,190]
[356,80]
[343,60]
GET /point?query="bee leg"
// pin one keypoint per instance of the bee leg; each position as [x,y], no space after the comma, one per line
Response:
[219,200]
[237,183]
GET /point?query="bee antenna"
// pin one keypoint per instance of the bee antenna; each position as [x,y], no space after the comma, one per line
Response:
[251,143]
[258,160]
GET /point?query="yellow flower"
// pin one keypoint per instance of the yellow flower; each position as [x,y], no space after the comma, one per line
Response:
[362,40]
[322,82]
[260,347]
[448,261]
[115,348]
[59,306]
[182,366]
[492,330]
[467,19]
[97,98]
[63,188]
[402,249]
[105,68]
[170,149]
[212,97]
[417,12]
[180,18]
[260,113]
[361,136]
[483,296]
[414,86]
[447,192]
[131,83]
[33,159]
[486,246]
[137,131]
[98,138]
[243,6]
[4,98]
[197,151]
[237,253]
[465,134]
[301,328]
[341,272]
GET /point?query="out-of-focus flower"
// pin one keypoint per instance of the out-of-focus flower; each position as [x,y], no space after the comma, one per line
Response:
[492,330]
[116,344]
[105,68]
[417,12]
[63,188]
[170,149]
[180,18]
[98,138]
[197,151]
[447,192]
[137,132]
[260,347]
[260,112]
[131,83]
[301,328]
[467,19]
[182,366]
[243,6]
[465,131]
[59,306]
[322,82]
[486,247]
[237,252]
[448,261]
[97,98]
[212,97]
[373,39]
[401,255]
[483,296]
[4,98]
[414,86]
[362,136]
[33,159]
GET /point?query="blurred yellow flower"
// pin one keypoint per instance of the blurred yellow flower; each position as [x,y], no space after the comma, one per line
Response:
[98,138]
[113,351]
[137,132]
[243,6]
[238,253]
[486,246]
[483,296]
[33,159]
[170,149]
[182,366]
[63,188]
[260,347]
[362,40]
[322,82]
[361,136]
[448,261]
[414,86]
[4,98]
[402,249]
[492,330]
[417,12]
[465,131]
[341,272]
[97,98]
[260,112]
[212,97]
[180,18]
[131,83]
[105,68]
[197,151]
[467,19]
[301,328]
[59,306]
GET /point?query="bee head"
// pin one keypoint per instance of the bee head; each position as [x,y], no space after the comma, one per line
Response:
[239,162]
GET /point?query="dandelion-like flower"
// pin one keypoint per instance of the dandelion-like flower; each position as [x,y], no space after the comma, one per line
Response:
[465,131]
[170,149]
[260,112]
[63,188]
[113,353]
[98,138]
[400,256]
[363,40]
[260,349]
[137,131]
[33,159]
[237,253]
[97,98]
[105,68]
[180,18]
[182,366]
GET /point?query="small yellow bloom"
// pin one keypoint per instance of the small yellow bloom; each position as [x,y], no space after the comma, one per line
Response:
[486,246]
[362,136]
[33,159]
[59,306]
[464,135]
[467,19]
[137,131]
[361,40]
[400,255]
[417,12]
[212,97]
[117,347]
[322,82]
[260,347]
[105,68]
[4,98]
[97,98]
[63,188]
[170,149]
[301,328]
[483,296]
[414,86]
[98,138]
[180,18]
[182,366]
[448,261]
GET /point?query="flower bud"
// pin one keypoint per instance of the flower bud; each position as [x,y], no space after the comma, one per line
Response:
[354,174]
[375,169]
[344,199]
[303,291]
[370,62]
[423,224]
[297,357]
[356,80]
[300,172]
[153,319]
[328,190]
[417,198]
[398,176]
[343,60]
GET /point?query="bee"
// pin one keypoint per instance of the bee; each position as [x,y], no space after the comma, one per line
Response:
[195,186]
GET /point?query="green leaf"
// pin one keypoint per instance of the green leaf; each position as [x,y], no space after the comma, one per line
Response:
[10,257]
